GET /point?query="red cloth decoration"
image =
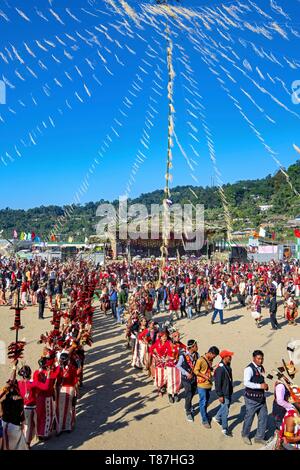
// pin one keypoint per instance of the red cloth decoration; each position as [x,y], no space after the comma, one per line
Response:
[17,322]
[297,233]
[15,350]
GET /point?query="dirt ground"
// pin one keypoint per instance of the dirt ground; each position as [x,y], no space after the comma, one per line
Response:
[119,407]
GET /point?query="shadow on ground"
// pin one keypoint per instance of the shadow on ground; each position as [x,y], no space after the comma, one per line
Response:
[103,407]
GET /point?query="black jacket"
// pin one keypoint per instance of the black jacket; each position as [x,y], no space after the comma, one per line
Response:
[223,381]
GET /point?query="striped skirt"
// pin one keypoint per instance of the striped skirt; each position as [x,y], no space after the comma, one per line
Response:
[160,378]
[45,411]
[139,353]
[65,409]
[173,380]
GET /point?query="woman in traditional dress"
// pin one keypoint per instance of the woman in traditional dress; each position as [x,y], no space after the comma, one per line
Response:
[149,337]
[161,351]
[174,304]
[67,393]
[291,310]
[256,309]
[45,401]
[28,389]
[104,301]
[139,352]
[173,374]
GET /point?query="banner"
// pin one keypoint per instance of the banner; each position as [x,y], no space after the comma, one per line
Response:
[269,249]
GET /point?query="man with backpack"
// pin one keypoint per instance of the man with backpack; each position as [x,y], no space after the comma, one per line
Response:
[204,373]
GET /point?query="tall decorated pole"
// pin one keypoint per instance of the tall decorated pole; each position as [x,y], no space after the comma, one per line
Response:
[168,176]
[17,322]
[16,349]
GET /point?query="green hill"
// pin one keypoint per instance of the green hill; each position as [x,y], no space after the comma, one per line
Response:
[244,198]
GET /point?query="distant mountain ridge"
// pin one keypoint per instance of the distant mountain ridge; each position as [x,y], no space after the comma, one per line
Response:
[245,199]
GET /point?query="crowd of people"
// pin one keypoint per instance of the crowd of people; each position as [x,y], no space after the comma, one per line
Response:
[135,294]
[190,289]
[40,403]
[138,294]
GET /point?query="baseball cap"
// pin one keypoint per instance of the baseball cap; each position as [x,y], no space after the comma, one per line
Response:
[226,353]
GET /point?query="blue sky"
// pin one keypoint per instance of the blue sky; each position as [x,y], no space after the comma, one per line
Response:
[50,170]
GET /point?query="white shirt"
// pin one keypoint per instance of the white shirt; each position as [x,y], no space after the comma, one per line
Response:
[242,287]
[248,374]
[219,302]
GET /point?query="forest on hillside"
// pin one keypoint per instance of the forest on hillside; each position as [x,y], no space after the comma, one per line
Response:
[244,200]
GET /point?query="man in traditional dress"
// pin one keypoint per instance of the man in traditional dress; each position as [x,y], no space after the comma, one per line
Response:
[255,400]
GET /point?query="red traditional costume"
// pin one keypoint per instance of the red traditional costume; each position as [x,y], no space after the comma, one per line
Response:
[173,374]
[140,352]
[160,353]
[45,405]
[291,310]
[65,404]
[29,390]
